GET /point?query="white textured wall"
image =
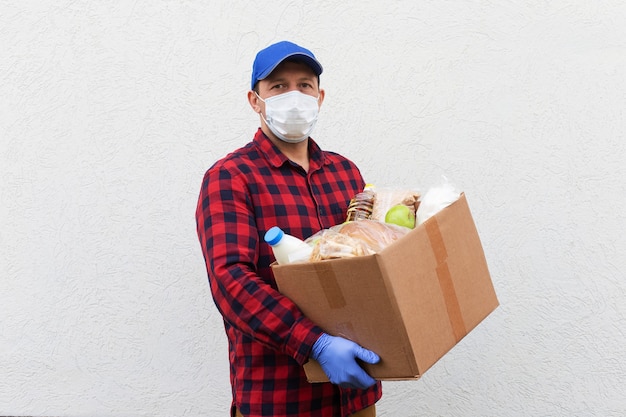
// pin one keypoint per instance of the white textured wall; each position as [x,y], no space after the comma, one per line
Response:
[111,111]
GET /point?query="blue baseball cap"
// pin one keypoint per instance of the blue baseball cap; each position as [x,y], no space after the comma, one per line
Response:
[268,59]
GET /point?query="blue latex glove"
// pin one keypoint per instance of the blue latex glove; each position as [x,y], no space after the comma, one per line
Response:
[338,356]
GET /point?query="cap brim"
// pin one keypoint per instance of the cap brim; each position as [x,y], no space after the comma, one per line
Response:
[296,56]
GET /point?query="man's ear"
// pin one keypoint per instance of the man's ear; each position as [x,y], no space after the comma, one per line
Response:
[253,99]
[321,97]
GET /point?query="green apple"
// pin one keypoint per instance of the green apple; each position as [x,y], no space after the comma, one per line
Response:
[401,215]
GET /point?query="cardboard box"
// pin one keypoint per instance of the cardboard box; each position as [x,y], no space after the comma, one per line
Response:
[410,303]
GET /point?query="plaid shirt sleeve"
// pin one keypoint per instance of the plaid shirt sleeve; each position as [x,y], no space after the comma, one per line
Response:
[230,242]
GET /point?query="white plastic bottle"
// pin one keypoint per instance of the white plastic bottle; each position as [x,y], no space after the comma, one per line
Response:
[287,248]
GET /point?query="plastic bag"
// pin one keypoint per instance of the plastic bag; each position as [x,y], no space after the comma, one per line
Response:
[358,238]
[436,199]
[387,197]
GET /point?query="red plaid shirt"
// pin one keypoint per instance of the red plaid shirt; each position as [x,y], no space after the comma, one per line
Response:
[242,196]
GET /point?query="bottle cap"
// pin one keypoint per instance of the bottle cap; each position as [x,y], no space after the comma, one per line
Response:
[274,235]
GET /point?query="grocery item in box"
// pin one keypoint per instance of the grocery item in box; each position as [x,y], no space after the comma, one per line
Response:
[357,238]
[387,197]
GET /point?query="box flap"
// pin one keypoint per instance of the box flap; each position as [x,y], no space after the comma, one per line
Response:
[462,265]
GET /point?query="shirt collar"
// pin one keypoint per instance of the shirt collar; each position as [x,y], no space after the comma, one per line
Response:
[317,158]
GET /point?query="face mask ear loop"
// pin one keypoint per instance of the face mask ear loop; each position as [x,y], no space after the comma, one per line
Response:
[259,97]
[261,113]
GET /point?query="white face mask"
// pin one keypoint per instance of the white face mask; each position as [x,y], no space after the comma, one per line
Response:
[291,116]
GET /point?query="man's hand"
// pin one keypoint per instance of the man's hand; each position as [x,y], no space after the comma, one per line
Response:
[338,356]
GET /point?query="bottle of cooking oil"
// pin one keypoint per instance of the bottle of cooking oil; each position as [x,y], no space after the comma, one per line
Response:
[362,204]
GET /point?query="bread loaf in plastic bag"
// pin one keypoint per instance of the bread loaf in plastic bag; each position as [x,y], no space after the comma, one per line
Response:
[357,238]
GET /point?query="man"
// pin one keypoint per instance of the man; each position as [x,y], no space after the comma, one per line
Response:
[282,178]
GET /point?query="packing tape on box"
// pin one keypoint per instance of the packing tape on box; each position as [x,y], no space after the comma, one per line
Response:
[445,279]
[330,286]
